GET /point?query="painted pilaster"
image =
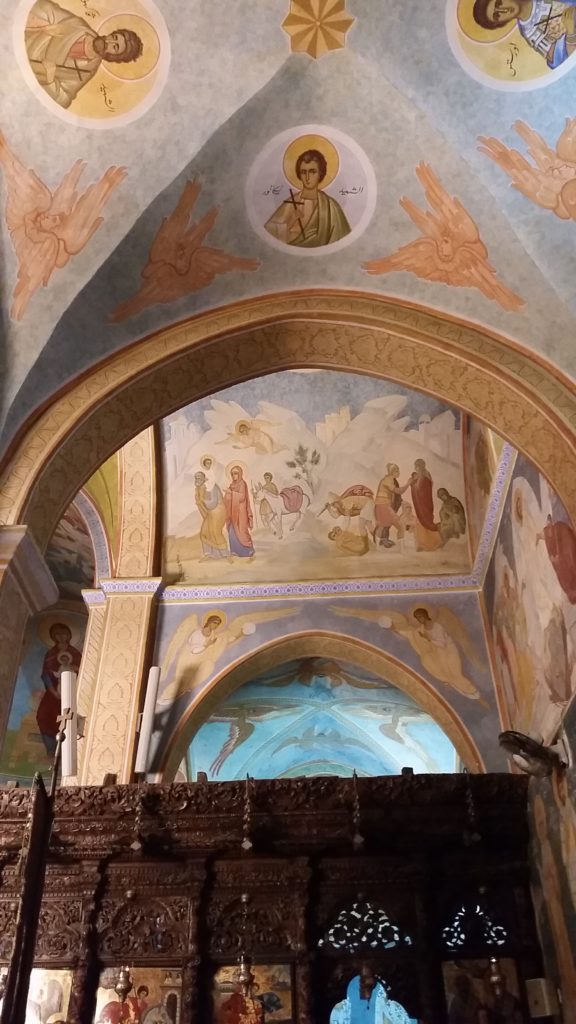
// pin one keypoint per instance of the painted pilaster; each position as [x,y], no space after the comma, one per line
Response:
[95,601]
[115,695]
[26,587]
[121,625]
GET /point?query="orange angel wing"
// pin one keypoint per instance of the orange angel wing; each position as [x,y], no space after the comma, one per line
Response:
[174,230]
[477,272]
[84,217]
[418,257]
[36,248]
[566,145]
[451,214]
[26,193]
[208,263]
[543,156]
[536,184]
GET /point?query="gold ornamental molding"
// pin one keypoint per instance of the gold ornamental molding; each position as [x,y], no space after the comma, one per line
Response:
[512,390]
[319,645]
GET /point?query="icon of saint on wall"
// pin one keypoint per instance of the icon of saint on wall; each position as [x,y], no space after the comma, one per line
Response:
[311,189]
[96,59]
[513,43]
[309,217]
[65,52]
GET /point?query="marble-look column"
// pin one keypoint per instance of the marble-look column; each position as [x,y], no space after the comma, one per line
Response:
[120,634]
[26,587]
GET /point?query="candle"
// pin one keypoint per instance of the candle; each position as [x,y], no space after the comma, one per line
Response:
[147,722]
[68,703]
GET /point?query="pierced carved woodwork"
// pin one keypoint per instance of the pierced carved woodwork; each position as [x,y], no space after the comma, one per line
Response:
[169,892]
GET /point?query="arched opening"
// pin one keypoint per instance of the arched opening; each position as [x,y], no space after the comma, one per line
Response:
[364,657]
[511,390]
[318,717]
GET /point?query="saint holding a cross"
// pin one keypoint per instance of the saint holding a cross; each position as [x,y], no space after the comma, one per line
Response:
[309,217]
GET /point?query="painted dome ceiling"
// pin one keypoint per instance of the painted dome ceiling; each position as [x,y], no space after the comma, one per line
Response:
[315,716]
[142,189]
[164,167]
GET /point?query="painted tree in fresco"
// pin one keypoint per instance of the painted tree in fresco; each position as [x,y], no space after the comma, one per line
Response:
[305,465]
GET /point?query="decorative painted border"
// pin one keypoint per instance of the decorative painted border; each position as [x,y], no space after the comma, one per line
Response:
[148,585]
[494,513]
[317,588]
[97,532]
[93,598]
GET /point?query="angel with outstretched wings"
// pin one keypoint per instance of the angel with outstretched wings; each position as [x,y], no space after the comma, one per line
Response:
[48,228]
[178,261]
[197,644]
[250,433]
[309,669]
[550,181]
[437,636]
[242,725]
[449,250]
[315,739]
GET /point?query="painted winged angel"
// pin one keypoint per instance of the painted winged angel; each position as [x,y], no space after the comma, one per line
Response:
[436,635]
[243,721]
[308,670]
[198,643]
[178,261]
[49,228]
[550,181]
[449,250]
[396,729]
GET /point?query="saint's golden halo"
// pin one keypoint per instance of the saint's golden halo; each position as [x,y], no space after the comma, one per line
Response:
[303,143]
[215,612]
[61,618]
[241,465]
[134,70]
[474,31]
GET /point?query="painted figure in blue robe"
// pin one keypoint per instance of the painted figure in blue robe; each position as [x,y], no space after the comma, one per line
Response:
[366,1001]
[548,26]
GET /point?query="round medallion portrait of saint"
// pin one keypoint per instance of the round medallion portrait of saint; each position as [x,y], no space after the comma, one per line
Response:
[96,64]
[310,190]
[513,44]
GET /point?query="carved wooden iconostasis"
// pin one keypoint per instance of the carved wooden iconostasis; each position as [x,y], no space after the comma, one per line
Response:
[323,610]
[420,879]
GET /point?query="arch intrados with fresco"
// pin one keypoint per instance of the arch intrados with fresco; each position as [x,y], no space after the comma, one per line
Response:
[516,393]
[318,645]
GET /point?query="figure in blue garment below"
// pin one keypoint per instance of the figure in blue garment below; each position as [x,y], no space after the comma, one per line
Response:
[366,1001]
[548,26]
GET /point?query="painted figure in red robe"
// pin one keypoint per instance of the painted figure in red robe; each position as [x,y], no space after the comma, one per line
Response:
[560,541]
[239,520]
[62,657]
[426,530]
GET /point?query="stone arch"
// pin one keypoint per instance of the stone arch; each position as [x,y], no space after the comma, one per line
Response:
[514,391]
[319,645]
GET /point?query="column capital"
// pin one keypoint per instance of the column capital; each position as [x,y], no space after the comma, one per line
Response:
[22,560]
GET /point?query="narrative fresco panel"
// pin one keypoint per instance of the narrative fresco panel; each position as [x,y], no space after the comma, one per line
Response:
[313,476]
[531,599]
